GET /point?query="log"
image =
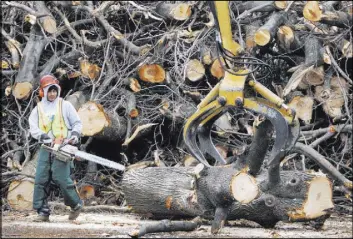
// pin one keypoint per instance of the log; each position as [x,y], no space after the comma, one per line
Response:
[152,73]
[20,194]
[326,14]
[77,99]
[46,19]
[164,226]
[303,106]
[194,70]
[26,78]
[287,39]
[99,123]
[332,98]
[260,6]
[20,191]
[224,193]
[133,84]
[176,11]
[217,69]
[14,47]
[267,32]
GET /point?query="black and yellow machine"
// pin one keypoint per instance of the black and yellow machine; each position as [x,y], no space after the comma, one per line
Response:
[229,92]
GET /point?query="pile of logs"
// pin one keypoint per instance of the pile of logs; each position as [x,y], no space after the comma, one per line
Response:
[135,71]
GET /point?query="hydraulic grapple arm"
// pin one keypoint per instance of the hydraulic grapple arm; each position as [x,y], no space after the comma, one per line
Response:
[230,93]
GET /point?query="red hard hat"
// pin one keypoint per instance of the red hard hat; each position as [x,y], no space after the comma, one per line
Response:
[45,81]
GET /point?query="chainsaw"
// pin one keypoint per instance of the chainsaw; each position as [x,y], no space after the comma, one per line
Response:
[66,152]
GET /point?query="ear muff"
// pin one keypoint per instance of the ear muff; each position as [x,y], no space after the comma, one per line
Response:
[41,93]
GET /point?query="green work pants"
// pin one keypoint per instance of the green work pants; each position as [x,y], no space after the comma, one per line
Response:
[49,168]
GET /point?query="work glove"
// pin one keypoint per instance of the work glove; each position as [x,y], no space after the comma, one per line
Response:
[75,137]
[44,138]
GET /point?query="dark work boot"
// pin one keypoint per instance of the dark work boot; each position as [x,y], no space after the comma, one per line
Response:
[75,212]
[41,217]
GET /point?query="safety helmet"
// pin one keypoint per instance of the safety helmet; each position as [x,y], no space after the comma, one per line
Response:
[45,81]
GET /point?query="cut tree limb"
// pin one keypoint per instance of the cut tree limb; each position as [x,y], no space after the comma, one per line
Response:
[100,124]
[27,75]
[265,33]
[184,192]
[313,12]
[164,226]
[152,73]
[195,70]
[176,11]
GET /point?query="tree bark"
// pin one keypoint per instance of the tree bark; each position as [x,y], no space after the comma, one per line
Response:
[215,193]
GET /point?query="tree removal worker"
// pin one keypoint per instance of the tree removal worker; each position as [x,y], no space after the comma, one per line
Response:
[52,121]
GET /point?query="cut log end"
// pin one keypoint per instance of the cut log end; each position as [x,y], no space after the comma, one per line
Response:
[244,187]
[88,70]
[22,90]
[134,85]
[281,5]
[93,118]
[312,11]
[303,106]
[217,70]
[153,73]
[318,200]
[195,70]
[315,76]
[20,195]
[49,25]
[181,12]
[262,37]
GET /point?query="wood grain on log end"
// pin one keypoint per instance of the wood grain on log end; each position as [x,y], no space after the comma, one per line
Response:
[217,70]
[181,12]
[262,37]
[20,194]
[134,84]
[303,106]
[318,199]
[22,90]
[153,73]
[243,187]
[49,25]
[312,11]
[207,58]
[93,118]
[194,70]
[285,36]
[332,98]
[281,4]
[315,76]
[91,71]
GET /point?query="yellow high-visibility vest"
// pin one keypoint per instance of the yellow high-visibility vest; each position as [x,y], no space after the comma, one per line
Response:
[57,126]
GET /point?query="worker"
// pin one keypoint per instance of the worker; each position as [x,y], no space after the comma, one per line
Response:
[54,120]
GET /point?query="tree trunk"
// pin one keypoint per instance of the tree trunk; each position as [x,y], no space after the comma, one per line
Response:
[176,11]
[212,192]
[265,33]
[27,75]
[100,124]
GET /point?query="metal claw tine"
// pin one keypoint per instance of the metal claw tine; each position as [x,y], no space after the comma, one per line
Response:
[206,144]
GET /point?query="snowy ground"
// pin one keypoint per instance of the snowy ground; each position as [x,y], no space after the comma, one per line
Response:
[118,225]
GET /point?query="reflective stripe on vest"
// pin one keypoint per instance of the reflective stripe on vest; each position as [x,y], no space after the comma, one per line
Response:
[58,126]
